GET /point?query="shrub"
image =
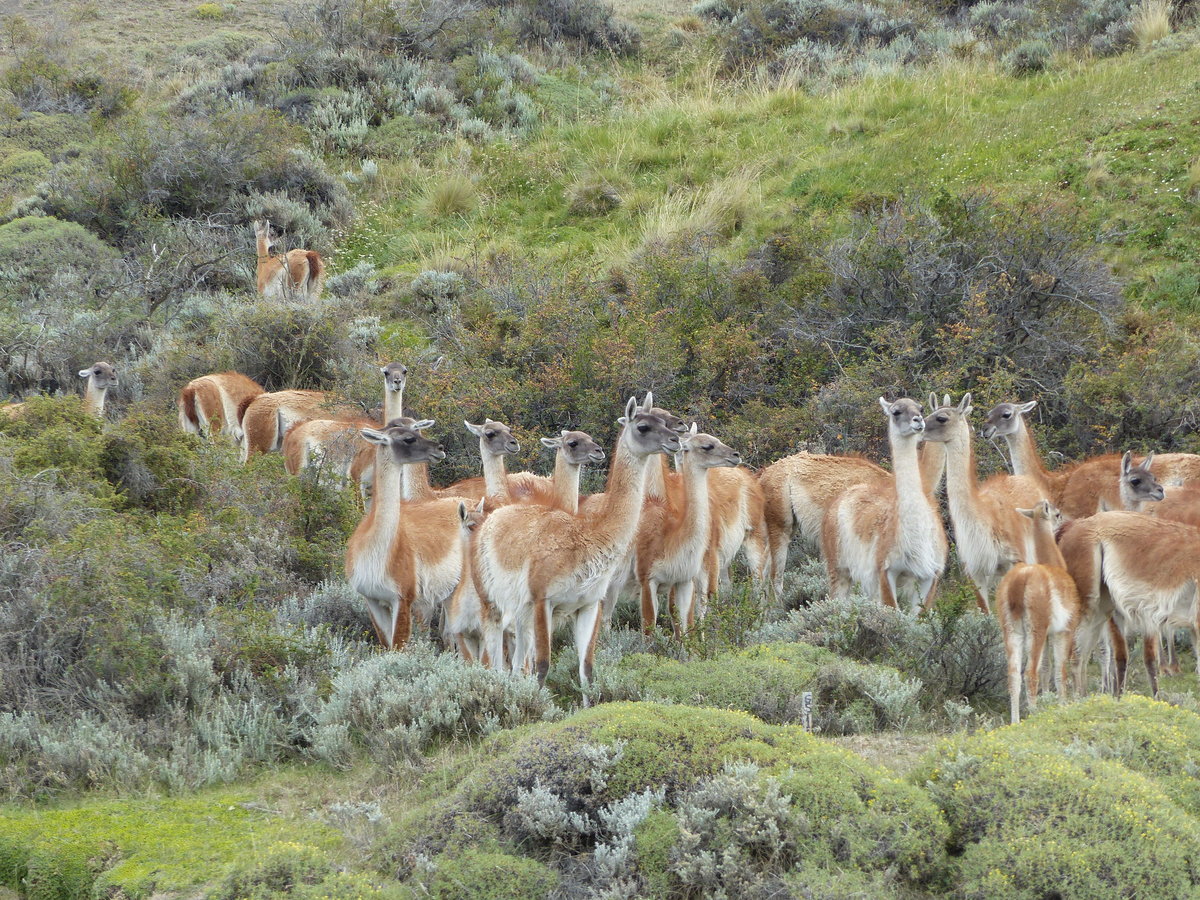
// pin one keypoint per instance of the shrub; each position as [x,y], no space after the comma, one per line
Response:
[454,195]
[209,11]
[593,195]
[35,248]
[479,874]
[21,169]
[1028,58]
[358,281]
[397,705]
[769,679]
[1027,820]
[954,656]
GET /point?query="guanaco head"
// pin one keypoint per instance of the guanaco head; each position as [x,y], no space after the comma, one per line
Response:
[494,437]
[394,377]
[262,231]
[100,375]
[946,421]
[1046,512]
[706,451]
[645,432]
[904,416]
[673,421]
[403,443]
[577,446]
[1138,484]
[1004,419]
[469,517]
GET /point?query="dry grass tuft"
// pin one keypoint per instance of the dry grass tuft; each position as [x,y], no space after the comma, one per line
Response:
[1151,21]
[718,212]
[453,195]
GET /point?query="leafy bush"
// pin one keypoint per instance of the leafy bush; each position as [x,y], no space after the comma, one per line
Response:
[34,249]
[1028,58]
[953,656]
[1028,820]
[769,679]
[397,705]
[489,875]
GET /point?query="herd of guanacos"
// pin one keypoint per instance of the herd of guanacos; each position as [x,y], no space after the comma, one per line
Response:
[1103,548]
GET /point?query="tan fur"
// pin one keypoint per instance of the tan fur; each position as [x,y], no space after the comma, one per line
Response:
[468,624]
[798,490]
[888,534]
[737,505]
[1035,602]
[268,417]
[295,273]
[404,558]
[990,535]
[100,377]
[208,404]
[1083,488]
[362,467]
[328,444]
[1137,569]
[1181,504]
[536,563]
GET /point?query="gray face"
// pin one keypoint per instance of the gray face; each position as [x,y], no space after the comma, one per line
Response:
[673,422]
[904,417]
[405,443]
[708,452]
[101,375]
[941,423]
[649,433]
[495,437]
[394,377]
[1138,482]
[1002,420]
[579,448]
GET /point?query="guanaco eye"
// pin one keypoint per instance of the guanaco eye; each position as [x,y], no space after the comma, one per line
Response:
[709,447]
[491,434]
[895,412]
[1008,415]
[643,428]
[943,419]
[572,443]
[1135,481]
[410,439]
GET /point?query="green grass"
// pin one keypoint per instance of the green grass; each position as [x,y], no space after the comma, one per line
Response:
[965,127]
[144,846]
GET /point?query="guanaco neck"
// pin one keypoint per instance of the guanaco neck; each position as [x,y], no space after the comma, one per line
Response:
[93,398]
[656,479]
[1025,458]
[932,457]
[393,404]
[264,248]
[384,516]
[614,521]
[565,483]
[912,501]
[495,478]
[415,486]
[692,525]
[1045,547]
[962,489]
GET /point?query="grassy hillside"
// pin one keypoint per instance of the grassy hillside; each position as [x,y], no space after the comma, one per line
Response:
[769,212]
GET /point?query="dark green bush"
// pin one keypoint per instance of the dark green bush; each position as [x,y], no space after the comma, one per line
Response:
[479,874]
[1028,58]
[34,248]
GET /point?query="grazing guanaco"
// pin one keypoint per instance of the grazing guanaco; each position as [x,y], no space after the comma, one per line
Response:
[1078,490]
[536,563]
[887,534]
[208,405]
[673,534]
[1141,571]
[295,273]
[989,534]
[404,558]
[1035,602]
[100,377]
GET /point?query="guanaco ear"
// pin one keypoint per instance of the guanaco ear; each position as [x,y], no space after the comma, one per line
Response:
[1028,513]
[1146,463]
[694,430]
[1126,462]
[946,400]
[383,370]
[462,511]
[933,403]
[476,430]
[373,436]
[887,407]
[479,507]
[648,403]
[553,443]
[1023,408]
[421,425]
[964,405]
[84,373]
[630,409]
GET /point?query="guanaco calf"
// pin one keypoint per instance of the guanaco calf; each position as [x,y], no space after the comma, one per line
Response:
[297,272]
[1036,602]
[468,622]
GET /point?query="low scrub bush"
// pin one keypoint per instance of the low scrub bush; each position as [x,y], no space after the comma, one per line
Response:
[480,874]
[34,249]
[1029,819]
[769,680]
[395,706]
